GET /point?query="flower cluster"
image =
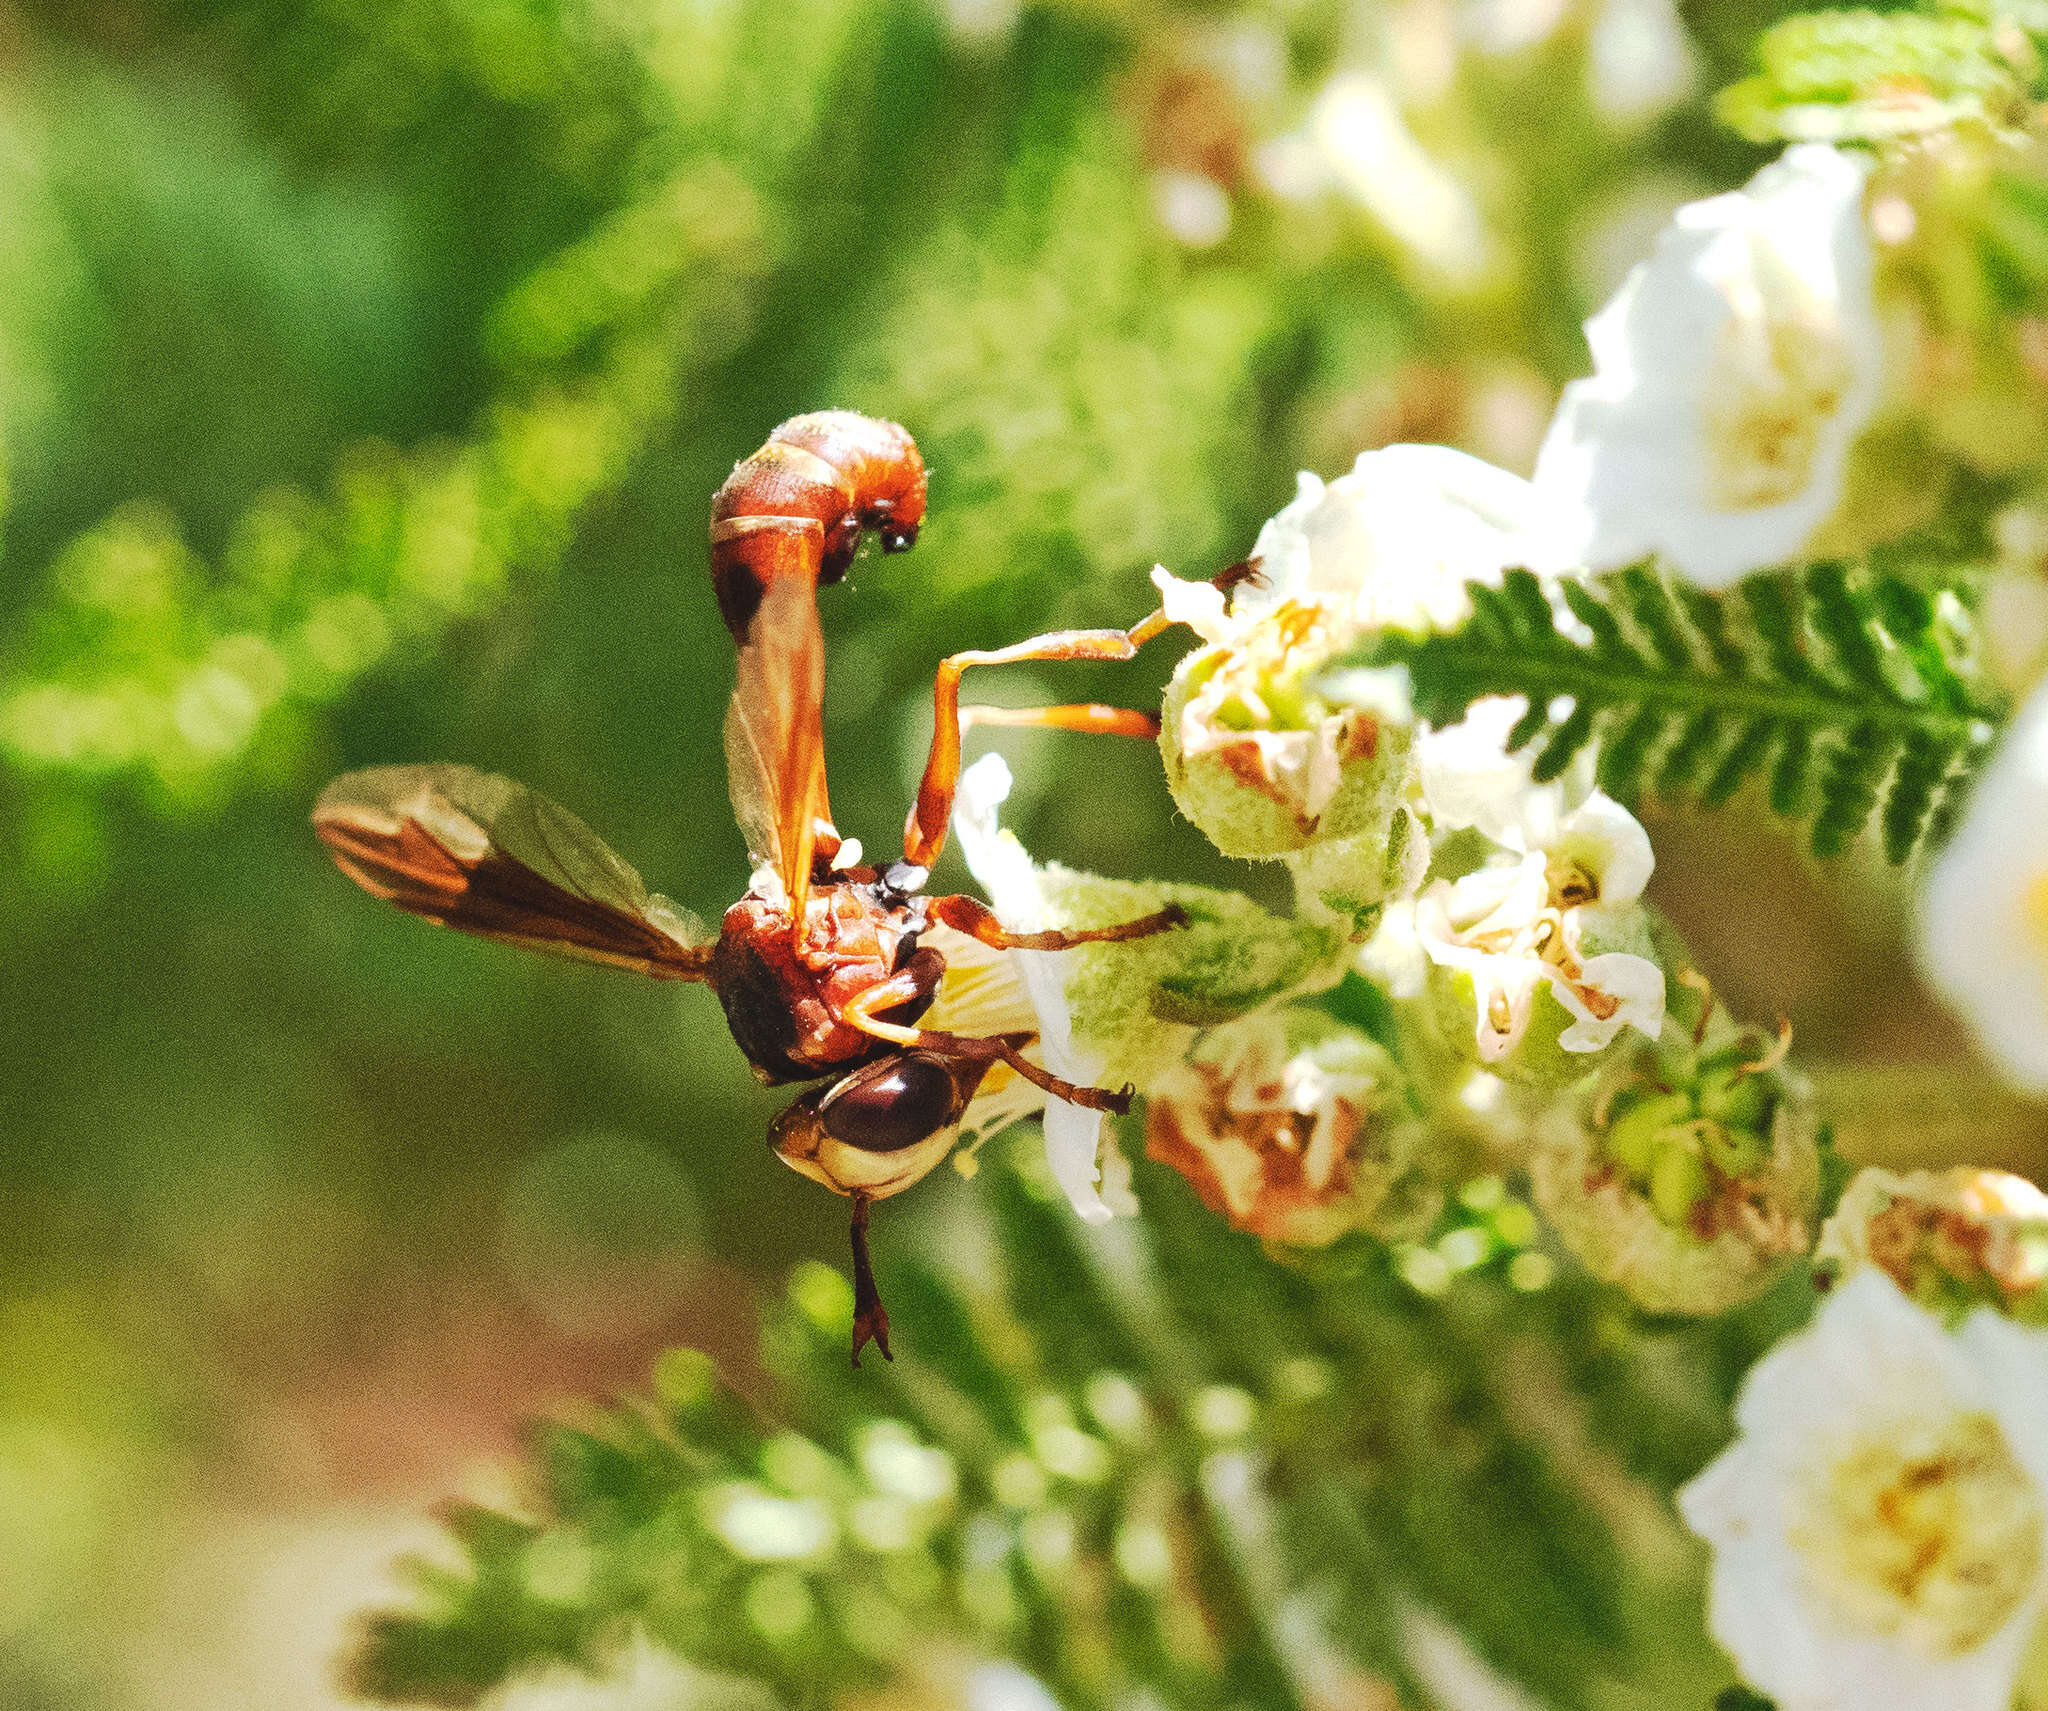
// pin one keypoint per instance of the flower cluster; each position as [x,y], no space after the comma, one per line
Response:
[1880,1527]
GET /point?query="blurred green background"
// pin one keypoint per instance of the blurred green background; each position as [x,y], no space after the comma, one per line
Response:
[365,369]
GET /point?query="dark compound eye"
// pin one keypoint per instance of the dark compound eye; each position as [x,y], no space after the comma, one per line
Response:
[911,1099]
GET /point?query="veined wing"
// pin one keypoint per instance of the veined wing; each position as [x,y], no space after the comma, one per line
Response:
[488,856]
[774,728]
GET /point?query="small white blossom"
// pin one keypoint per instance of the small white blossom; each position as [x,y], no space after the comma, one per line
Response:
[1731,374]
[1983,928]
[1548,926]
[1880,1526]
[1468,778]
[1262,752]
[1392,544]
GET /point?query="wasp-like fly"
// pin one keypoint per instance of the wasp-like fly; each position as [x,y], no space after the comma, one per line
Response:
[819,967]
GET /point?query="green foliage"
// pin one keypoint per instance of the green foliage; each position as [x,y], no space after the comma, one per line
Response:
[1839,691]
[1141,1459]
[1863,76]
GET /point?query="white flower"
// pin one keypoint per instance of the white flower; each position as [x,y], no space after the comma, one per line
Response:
[1880,1525]
[1263,754]
[1731,373]
[1540,925]
[1393,543]
[1468,778]
[1983,928]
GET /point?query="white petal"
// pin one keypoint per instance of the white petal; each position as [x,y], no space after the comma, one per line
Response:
[1395,957]
[1468,778]
[1073,1145]
[1868,1355]
[1198,605]
[1635,982]
[1983,929]
[1609,842]
[1393,543]
[2015,1360]
[1073,1134]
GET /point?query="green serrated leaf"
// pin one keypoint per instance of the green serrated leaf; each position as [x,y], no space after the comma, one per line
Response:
[1626,753]
[1687,754]
[1564,744]
[1850,777]
[1922,765]
[1607,637]
[1655,618]
[1842,622]
[1534,718]
[1730,684]
[1532,612]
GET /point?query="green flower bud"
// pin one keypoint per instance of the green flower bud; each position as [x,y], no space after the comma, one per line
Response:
[1689,1212]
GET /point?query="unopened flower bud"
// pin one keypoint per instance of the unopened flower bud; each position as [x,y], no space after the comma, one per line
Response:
[1689,1179]
[1261,762]
[1296,1128]
[1952,1240]
[1262,752]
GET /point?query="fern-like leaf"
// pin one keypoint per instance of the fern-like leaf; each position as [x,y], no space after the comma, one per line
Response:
[1146,1463]
[1831,687]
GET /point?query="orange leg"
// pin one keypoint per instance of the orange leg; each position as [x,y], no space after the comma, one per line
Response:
[978,921]
[1089,717]
[925,833]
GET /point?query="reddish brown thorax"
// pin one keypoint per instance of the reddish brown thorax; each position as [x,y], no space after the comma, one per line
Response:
[785,996]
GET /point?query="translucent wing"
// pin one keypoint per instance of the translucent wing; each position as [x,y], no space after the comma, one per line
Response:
[774,729]
[480,853]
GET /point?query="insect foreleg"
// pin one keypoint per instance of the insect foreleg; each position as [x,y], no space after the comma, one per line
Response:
[1089,717]
[925,833]
[978,921]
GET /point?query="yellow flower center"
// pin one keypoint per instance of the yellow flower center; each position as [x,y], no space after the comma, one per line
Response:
[1778,374]
[1927,1531]
[2035,909]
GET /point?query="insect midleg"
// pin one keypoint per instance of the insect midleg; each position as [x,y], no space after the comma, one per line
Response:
[978,921]
[924,834]
[861,1012]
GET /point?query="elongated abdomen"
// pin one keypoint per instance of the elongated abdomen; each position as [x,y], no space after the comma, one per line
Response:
[797,507]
